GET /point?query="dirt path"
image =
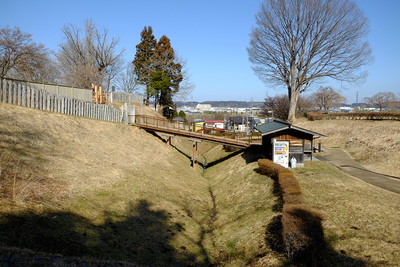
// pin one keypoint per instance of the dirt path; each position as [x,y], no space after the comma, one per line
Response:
[339,158]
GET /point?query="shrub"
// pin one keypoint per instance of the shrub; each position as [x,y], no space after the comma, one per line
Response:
[288,184]
[291,192]
[313,116]
[301,230]
[270,168]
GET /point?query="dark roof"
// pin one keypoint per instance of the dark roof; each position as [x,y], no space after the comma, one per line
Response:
[272,126]
[277,126]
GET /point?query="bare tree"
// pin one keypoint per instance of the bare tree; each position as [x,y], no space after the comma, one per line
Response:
[21,58]
[304,105]
[298,42]
[277,106]
[186,86]
[326,97]
[127,80]
[89,58]
[382,99]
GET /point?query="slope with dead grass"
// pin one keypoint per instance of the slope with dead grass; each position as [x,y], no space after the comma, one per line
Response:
[375,144]
[87,188]
[97,188]
[360,220]
[244,203]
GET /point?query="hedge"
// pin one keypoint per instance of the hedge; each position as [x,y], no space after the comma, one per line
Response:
[302,231]
[354,116]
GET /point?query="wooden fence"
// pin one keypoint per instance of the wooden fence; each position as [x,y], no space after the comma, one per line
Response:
[22,94]
[67,91]
[126,97]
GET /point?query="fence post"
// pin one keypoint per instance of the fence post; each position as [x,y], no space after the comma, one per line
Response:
[33,96]
[18,94]
[1,90]
[40,93]
[37,94]
[4,91]
[10,85]
[23,95]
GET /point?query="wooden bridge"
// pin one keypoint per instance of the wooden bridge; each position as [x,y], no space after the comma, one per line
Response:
[162,125]
[171,129]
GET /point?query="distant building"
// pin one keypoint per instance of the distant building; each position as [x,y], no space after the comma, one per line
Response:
[240,124]
[214,125]
[197,125]
[203,107]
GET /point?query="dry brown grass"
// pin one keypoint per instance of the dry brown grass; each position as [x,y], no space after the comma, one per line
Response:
[375,144]
[113,191]
[360,221]
[106,173]
[244,205]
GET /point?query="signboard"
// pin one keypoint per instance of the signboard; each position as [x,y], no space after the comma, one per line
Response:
[281,153]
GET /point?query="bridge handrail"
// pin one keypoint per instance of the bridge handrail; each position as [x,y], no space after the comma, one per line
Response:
[179,127]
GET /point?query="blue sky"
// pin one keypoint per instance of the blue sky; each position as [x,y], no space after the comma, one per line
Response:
[211,35]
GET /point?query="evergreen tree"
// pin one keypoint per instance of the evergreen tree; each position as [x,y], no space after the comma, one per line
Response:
[182,114]
[159,88]
[164,59]
[155,63]
[143,58]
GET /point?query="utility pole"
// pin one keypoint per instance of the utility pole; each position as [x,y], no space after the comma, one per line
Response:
[251,106]
[357,98]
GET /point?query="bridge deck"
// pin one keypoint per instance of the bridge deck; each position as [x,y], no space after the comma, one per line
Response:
[161,125]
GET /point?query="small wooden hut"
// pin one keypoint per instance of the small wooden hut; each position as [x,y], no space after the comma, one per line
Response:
[301,141]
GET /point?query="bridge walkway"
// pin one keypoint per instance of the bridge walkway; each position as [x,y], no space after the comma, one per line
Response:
[157,124]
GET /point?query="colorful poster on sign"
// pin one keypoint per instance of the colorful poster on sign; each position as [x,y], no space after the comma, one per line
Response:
[281,153]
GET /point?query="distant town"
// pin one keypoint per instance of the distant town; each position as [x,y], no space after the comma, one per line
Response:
[245,107]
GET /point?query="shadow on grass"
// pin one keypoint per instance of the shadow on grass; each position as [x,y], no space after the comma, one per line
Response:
[211,164]
[318,254]
[253,153]
[324,256]
[142,237]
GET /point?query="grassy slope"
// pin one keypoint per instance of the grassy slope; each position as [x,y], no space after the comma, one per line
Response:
[89,188]
[375,144]
[98,183]
[244,206]
[360,220]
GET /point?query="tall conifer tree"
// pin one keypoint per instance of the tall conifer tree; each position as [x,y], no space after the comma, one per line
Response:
[152,56]
[164,60]
[143,58]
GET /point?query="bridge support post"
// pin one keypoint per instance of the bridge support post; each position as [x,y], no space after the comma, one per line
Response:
[194,157]
[168,138]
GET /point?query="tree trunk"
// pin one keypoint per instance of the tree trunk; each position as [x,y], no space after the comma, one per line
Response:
[293,98]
